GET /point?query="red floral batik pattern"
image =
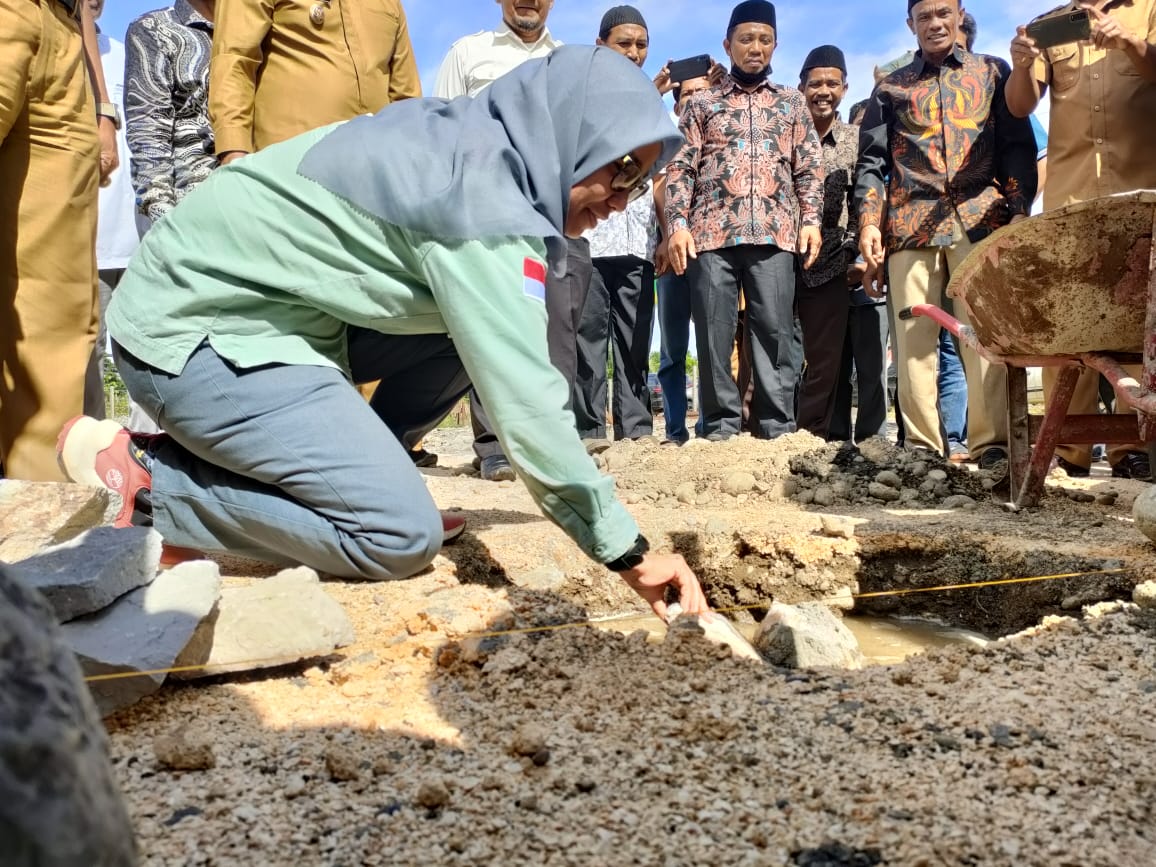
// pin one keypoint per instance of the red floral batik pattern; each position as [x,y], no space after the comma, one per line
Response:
[751,170]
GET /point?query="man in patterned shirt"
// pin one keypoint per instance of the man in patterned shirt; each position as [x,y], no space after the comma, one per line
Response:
[822,291]
[166,97]
[942,164]
[749,175]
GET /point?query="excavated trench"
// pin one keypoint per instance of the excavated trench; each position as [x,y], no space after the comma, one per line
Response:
[750,572]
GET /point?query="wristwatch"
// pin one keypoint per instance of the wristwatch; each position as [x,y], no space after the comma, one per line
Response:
[632,558]
[109,110]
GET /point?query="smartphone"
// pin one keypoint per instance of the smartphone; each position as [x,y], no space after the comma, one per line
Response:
[689,67]
[1060,28]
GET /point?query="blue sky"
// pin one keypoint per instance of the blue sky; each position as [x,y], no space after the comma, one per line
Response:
[868,32]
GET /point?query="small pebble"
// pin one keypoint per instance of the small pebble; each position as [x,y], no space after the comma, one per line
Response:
[432,794]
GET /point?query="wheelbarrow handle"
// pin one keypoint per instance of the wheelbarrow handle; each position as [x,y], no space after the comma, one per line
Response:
[940,317]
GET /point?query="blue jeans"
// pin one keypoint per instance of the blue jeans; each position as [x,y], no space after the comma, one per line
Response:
[952,386]
[287,463]
[674,331]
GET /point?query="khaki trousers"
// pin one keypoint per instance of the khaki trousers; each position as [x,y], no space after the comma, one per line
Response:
[920,277]
[49,157]
[1086,401]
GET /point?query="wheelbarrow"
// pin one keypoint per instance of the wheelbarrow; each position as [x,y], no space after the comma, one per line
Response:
[1074,288]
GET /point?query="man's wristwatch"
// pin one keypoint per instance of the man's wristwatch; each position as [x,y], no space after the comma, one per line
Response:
[109,110]
[632,558]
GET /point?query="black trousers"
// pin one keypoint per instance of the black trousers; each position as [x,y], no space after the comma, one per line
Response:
[823,316]
[767,277]
[617,316]
[565,297]
[865,347]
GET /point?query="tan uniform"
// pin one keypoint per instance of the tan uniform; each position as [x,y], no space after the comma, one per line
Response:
[49,161]
[1100,142]
[282,67]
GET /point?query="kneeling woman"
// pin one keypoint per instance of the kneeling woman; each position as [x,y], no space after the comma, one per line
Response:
[408,247]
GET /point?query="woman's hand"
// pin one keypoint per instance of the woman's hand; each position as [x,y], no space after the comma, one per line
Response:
[650,578]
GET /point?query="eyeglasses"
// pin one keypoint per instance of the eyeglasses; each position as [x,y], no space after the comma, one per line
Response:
[630,179]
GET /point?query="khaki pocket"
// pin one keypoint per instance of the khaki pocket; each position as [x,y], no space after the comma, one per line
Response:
[1065,61]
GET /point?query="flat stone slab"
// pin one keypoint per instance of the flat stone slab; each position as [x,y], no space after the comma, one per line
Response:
[59,802]
[716,630]
[144,631]
[276,621]
[808,635]
[91,571]
[34,515]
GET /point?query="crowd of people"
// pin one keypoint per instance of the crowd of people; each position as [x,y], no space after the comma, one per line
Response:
[309,222]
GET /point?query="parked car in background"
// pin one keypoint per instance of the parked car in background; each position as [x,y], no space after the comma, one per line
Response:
[655,392]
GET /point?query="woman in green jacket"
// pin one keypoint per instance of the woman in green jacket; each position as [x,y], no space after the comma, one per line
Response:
[411,247]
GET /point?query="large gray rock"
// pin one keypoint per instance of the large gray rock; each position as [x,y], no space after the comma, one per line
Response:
[34,515]
[809,635]
[274,622]
[144,631]
[1144,512]
[86,574]
[59,803]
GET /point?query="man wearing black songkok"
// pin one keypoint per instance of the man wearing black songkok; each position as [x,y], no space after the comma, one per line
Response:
[833,328]
[743,200]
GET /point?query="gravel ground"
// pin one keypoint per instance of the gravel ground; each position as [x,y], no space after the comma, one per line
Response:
[590,748]
[421,745]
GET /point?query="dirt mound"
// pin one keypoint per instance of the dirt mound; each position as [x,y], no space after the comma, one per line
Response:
[799,467]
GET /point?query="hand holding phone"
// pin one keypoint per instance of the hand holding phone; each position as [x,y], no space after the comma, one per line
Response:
[689,67]
[1061,27]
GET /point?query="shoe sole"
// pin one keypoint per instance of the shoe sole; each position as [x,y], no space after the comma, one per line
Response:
[506,474]
[80,441]
[449,535]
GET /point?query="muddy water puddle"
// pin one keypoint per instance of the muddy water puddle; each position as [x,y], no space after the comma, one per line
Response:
[883,640]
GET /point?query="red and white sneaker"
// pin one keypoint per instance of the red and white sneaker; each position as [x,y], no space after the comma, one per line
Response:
[453,525]
[102,454]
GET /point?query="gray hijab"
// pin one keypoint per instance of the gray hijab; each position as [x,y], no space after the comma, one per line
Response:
[502,163]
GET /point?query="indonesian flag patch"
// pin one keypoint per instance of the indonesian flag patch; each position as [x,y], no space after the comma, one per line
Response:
[534,279]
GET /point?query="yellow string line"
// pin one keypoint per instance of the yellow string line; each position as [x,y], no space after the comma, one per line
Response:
[558,627]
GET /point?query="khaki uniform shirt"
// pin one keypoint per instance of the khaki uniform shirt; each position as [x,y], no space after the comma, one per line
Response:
[1103,118]
[276,72]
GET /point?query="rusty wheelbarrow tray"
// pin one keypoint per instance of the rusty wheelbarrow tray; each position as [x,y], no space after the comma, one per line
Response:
[1072,288]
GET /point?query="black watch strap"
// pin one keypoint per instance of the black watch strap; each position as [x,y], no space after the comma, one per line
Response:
[632,558]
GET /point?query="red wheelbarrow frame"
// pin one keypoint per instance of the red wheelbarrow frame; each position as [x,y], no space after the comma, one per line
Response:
[1029,467]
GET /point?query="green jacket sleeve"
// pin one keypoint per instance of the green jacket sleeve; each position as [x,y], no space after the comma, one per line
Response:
[491,295]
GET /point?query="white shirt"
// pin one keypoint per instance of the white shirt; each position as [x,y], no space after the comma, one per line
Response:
[117,236]
[474,62]
[633,232]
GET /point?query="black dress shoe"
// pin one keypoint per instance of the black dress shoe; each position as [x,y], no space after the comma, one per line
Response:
[992,457]
[496,468]
[1134,465]
[422,458]
[1074,471]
